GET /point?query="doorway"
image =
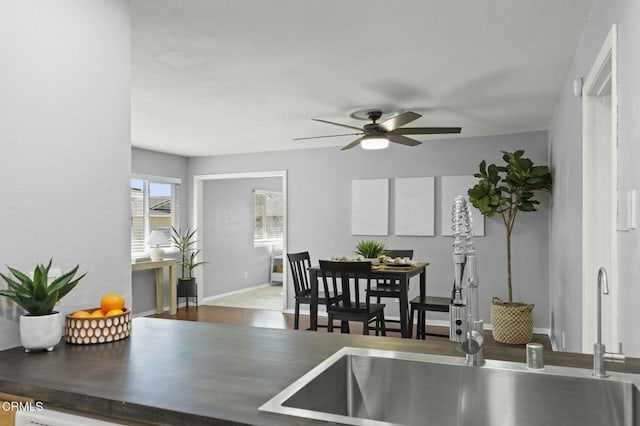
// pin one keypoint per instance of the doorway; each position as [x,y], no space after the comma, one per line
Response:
[599,192]
[243,260]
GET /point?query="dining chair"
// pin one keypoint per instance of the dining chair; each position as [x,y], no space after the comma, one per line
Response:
[387,287]
[422,305]
[299,263]
[343,296]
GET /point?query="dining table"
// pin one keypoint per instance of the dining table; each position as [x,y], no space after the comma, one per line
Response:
[401,274]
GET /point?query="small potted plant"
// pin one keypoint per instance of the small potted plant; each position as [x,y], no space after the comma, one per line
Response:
[507,190]
[41,326]
[370,250]
[184,241]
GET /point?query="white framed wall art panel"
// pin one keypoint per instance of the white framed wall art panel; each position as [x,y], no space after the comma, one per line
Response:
[415,206]
[451,187]
[370,207]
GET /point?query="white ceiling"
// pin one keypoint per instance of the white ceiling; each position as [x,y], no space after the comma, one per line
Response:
[214,77]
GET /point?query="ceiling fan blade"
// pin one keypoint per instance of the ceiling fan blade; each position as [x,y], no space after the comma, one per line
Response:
[327,136]
[425,130]
[399,120]
[352,144]
[403,140]
[337,124]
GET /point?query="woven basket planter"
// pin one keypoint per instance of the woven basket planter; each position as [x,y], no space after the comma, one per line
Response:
[512,323]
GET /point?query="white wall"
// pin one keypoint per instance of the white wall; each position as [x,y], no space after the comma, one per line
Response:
[227,235]
[565,141]
[65,145]
[319,209]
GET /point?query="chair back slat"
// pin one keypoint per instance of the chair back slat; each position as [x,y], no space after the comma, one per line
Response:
[344,281]
[393,254]
[299,263]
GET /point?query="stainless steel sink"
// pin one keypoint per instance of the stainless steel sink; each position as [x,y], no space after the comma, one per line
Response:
[373,387]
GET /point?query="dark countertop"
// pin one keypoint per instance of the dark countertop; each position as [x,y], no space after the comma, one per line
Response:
[182,372]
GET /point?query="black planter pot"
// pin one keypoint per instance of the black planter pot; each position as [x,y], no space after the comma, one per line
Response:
[187,287]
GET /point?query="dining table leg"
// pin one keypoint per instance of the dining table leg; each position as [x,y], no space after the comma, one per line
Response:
[313,306]
[404,308]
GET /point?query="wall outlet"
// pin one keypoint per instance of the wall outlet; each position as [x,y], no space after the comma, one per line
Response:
[563,340]
[246,275]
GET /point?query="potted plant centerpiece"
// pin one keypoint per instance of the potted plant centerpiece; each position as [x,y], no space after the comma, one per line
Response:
[185,242]
[370,250]
[507,190]
[41,326]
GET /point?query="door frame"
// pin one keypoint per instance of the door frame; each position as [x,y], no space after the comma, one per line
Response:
[198,216]
[599,176]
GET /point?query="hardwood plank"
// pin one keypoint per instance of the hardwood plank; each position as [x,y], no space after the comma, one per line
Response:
[275,319]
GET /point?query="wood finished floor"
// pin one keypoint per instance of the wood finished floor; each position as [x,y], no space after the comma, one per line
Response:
[275,319]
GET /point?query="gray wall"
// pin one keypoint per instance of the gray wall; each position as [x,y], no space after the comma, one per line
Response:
[65,153]
[565,140]
[166,165]
[227,237]
[319,208]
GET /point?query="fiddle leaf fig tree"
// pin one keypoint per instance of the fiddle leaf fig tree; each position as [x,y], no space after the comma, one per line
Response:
[507,190]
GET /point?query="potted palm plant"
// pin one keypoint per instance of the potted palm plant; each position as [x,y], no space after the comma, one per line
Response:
[508,190]
[41,326]
[184,241]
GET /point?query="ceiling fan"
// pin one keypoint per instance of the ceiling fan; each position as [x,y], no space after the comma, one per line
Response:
[378,135]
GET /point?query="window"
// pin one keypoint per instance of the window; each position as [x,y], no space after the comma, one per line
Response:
[269,220]
[154,205]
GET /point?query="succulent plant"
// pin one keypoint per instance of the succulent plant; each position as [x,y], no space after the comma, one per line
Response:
[36,295]
[370,249]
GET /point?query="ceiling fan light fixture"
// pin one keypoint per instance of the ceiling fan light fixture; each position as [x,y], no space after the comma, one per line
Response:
[374,142]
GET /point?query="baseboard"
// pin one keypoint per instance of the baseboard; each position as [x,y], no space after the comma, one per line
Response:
[231,293]
[165,309]
[145,313]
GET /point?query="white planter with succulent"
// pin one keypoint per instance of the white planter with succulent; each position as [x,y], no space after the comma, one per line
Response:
[41,326]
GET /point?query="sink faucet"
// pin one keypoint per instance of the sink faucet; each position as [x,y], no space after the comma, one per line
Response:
[599,351]
[465,326]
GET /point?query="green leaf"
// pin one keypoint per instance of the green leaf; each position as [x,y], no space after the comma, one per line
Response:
[24,279]
[40,278]
[29,304]
[14,285]
[539,171]
[483,168]
[63,280]
[47,305]
[10,294]
[527,207]
[72,284]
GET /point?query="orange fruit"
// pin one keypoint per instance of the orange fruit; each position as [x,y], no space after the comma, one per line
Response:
[80,314]
[97,313]
[114,312]
[111,302]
